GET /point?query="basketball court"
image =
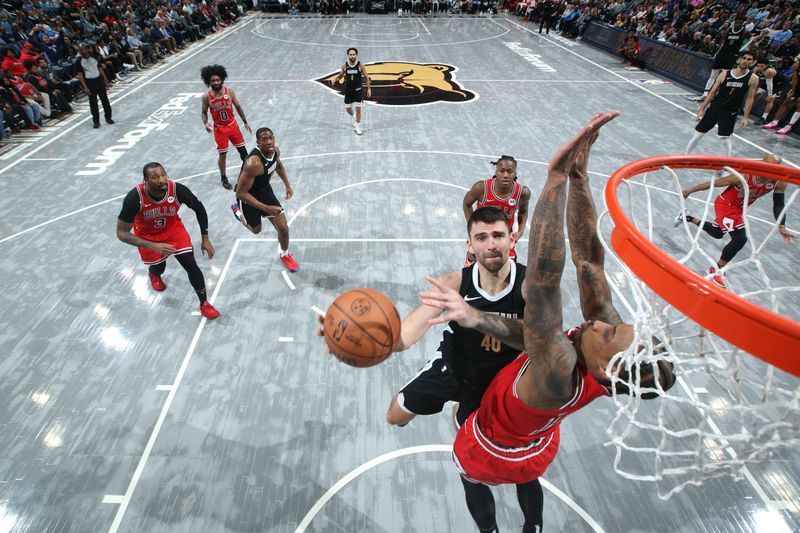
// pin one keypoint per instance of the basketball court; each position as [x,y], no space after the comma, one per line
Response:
[126,411]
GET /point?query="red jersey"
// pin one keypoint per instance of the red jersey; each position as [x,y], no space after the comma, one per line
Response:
[155,218]
[733,196]
[507,205]
[221,108]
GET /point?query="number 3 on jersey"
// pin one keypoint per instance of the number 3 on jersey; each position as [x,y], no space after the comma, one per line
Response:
[490,344]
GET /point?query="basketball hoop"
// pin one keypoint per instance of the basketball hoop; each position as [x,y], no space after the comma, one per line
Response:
[758,331]
[735,351]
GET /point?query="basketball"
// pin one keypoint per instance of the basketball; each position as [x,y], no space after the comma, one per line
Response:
[361,327]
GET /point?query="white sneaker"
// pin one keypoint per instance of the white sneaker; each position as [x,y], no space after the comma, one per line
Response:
[678,219]
[717,276]
[357,129]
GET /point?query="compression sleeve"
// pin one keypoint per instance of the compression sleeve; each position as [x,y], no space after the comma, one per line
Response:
[187,198]
[777,207]
[130,207]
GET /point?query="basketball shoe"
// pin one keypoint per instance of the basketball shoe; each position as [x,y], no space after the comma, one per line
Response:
[357,129]
[289,262]
[786,130]
[717,276]
[682,215]
[156,282]
[208,310]
[225,183]
[770,125]
[237,213]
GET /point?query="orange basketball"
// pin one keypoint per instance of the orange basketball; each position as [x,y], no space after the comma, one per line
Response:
[361,327]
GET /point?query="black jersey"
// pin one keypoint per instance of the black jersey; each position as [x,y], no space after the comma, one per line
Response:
[732,42]
[352,76]
[732,91]
[476,357]
[261,182]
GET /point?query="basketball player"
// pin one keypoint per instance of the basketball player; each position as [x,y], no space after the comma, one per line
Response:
[151,209]
[770,84]
[513,436]
[729,213]
[790,99]
[255,197]
[354,75]
[725,58]
[221,101]
[723,102]
[467,359]
[501,191]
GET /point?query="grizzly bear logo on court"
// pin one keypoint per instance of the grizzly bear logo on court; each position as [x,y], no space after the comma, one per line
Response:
[400,83]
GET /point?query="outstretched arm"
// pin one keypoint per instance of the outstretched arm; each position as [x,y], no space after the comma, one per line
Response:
[777,210]
[552,355]
[588,253]
[704,186]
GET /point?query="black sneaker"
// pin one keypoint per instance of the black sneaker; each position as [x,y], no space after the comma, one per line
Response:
[109,121]
[225,183]
[96,125]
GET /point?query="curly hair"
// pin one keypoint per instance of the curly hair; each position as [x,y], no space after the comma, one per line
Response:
[212,70]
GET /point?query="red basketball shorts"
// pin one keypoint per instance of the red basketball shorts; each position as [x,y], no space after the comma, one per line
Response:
[177,236]
[223,134]
[482,461]
[728,217]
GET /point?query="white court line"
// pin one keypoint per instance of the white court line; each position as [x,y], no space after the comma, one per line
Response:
[285,339]
[317,310]
[700,390]
[543,81]
[372,463]
[131,91]
[645,89]
[137,474]
[285,274]
[44,159]
[423,25]
[113,498]
[329,154]
[335,24]
[164,387]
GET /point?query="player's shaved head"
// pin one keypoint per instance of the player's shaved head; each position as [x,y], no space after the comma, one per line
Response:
[773,158]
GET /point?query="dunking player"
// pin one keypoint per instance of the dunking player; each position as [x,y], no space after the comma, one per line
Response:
[501,191]
[221,101]
[151,209]
[467,359]
[255,197]
[514,435]
[725,58]
[729,213]
[354,75]
[730,90]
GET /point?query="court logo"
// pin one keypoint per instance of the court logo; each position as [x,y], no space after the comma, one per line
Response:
[400,83]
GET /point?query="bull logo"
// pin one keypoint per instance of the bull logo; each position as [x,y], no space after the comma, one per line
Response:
[401,84]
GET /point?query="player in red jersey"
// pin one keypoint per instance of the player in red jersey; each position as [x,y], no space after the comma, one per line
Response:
[503,192]
[221,101]
[514,435]
[151,210]
[729,213]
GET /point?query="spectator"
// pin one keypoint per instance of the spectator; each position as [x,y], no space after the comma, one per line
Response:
[32,95]
[31,115]
[709,46]
[54,79]
[781,35]
[46,88]
[12,62]
[630,48]
[788,48]
[697,42]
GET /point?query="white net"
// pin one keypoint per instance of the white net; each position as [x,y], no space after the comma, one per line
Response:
[728,408]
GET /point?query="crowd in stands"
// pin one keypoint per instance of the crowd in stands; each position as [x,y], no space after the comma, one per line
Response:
[40,43]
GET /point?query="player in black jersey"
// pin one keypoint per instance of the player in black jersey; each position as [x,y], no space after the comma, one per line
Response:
[468,358]
[354,75]
[725,59]
[255,197]
[721,106]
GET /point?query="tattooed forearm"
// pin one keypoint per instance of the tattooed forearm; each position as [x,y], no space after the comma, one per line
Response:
[506,330]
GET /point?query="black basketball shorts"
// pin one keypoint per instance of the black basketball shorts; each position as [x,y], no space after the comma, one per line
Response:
[353,96]
[254,215]
[724,120]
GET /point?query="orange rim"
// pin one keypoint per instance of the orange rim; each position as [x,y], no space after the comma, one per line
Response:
[767,335]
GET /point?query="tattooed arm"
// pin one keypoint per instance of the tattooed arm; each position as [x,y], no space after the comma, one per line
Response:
[588,253]
[548,381]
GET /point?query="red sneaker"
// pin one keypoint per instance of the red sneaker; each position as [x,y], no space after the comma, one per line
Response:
[208,311]
[157,283]
[289,262]
[717,276]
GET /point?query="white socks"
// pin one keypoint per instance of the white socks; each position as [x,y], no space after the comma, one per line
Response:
[795,116]
[693,143]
